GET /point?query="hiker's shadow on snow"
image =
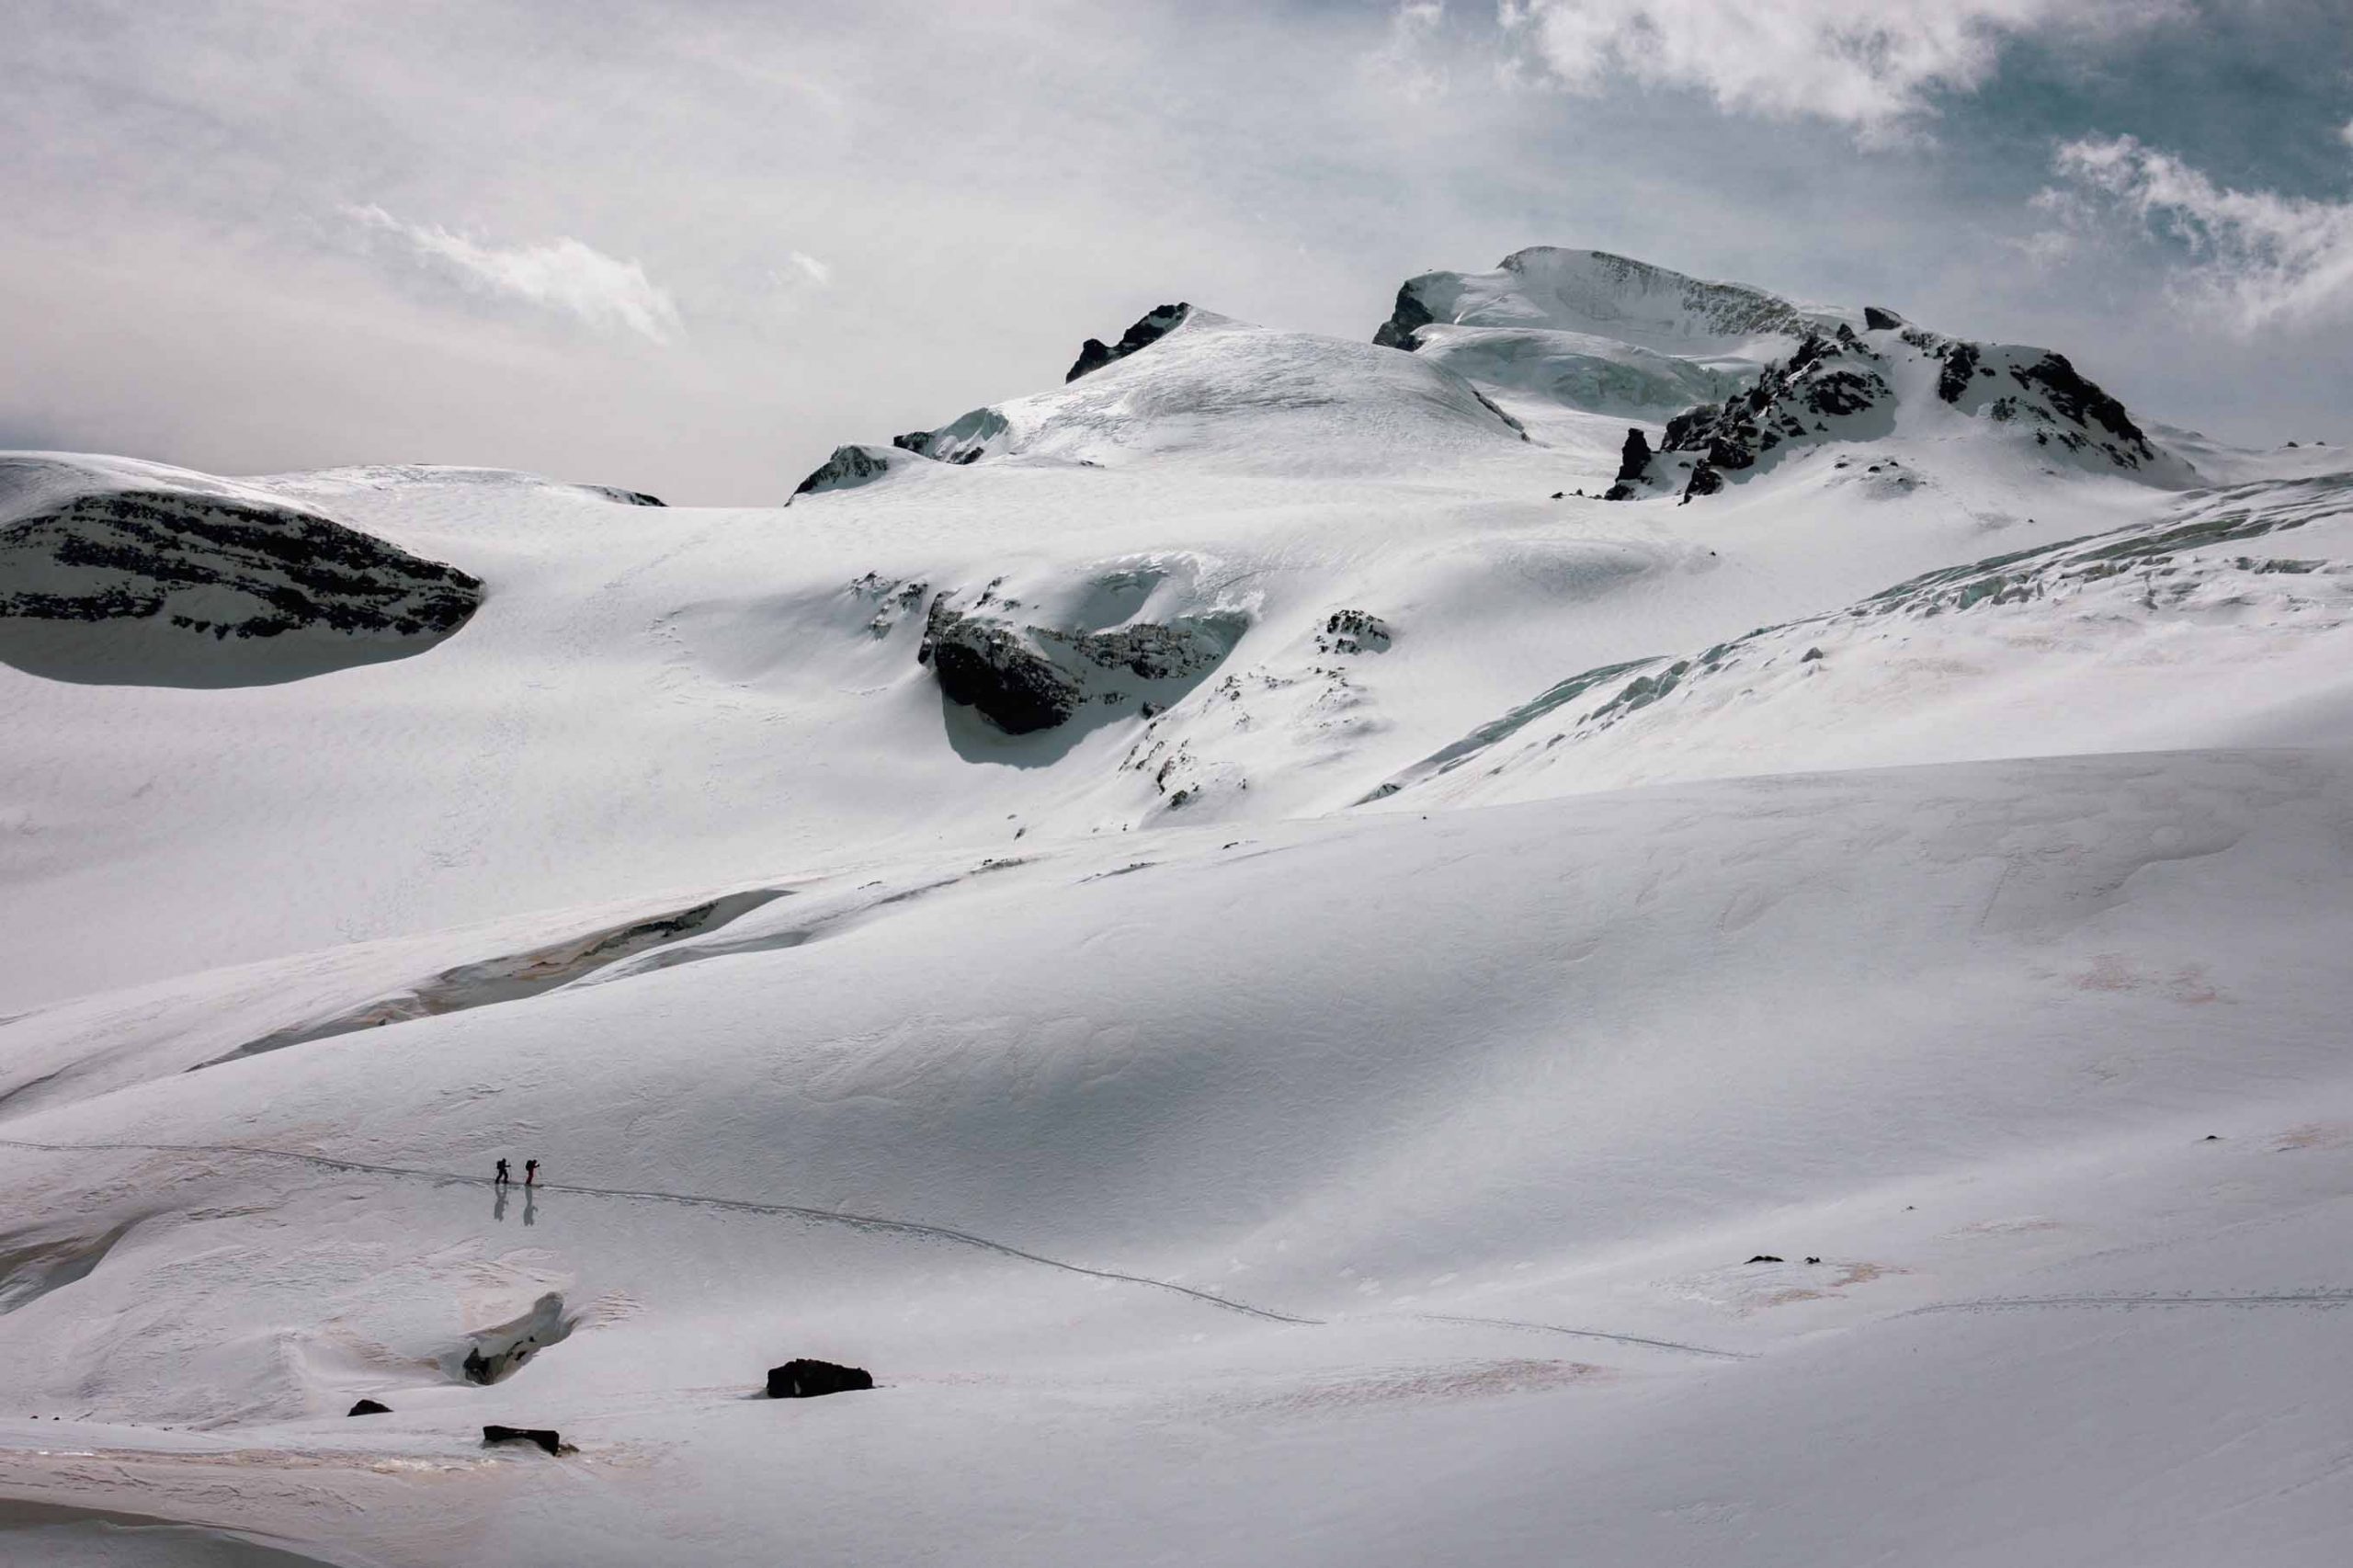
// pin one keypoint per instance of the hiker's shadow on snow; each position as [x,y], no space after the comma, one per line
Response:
[530,1206]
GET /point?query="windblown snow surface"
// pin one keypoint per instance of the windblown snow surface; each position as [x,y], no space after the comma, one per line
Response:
[1486,1026]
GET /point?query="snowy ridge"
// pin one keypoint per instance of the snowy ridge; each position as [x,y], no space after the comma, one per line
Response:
[1221,389]
[1596,294]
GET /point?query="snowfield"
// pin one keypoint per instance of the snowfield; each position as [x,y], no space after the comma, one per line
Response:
[1299,991]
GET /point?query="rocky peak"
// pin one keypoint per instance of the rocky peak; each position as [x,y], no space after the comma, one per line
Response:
[1845,385]
[1149,329]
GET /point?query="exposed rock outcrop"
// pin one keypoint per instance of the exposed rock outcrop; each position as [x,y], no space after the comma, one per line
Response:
[1843,386]
[1633,467]
[2040,391]
[1409,317]
[1960,370]
[1826,379]
[964,439]
[501,1349]
[1354,632]
[511,977]
[984,664]
[368,1407]
[1149,329]
[1706,480]
[228,567]
[802,1378]
[544,1437]
[849,468]
[1025,677]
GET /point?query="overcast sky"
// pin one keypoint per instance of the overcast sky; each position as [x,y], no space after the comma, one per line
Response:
[691,246]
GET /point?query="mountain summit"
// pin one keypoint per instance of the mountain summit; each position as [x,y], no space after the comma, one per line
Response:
[1596,294]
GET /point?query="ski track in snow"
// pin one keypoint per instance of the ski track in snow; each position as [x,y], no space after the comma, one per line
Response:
[2316,1297]
[738,1204]
[1585,1334]
[875,1223]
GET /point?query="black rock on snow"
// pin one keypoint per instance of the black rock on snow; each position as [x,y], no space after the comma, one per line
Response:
[1025,677]
[368,1407]
[984,664]
[1149,329]
[1409,317]
[1633,466]
[807,1379]
[539,1436]
[133,572]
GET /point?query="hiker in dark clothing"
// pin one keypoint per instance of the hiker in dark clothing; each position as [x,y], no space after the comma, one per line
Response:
[503,1177]
[530,1173]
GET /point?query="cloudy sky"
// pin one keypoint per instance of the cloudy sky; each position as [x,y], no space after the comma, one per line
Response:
[690,245]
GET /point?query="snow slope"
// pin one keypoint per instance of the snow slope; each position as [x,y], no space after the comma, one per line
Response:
[2229,620]
[1299,991]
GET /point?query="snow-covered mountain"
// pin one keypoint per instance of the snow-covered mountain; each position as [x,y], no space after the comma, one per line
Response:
[1297,984]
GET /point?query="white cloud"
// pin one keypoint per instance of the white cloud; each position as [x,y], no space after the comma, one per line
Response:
[1870,66]
[563,274]
[2266,259]
[2345,132]
[1408,61]
[817,271]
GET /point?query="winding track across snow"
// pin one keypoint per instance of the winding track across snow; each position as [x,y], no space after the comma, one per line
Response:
[1584,1334]
[840,1217]
[2326,1297]
[739,1205]
[2314,1298]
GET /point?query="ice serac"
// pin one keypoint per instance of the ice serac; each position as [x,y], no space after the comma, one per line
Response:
[1588,330]
[1149,329]
[1593,293]
[125,573]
